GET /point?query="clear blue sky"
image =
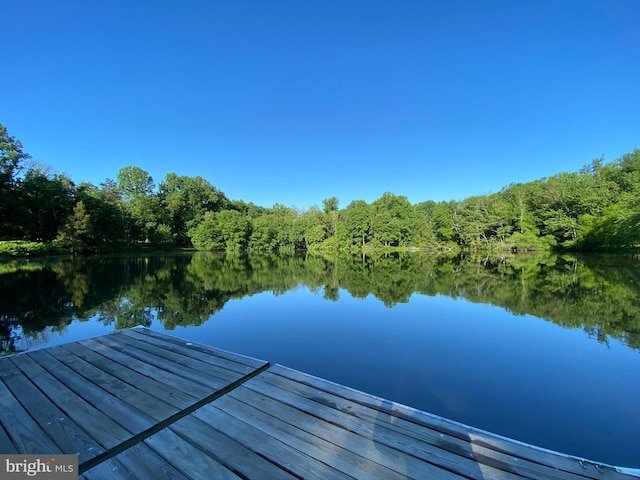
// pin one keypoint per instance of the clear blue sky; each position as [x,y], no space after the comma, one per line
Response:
[296,101]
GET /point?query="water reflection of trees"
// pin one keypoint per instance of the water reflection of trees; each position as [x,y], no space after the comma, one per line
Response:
[599,294]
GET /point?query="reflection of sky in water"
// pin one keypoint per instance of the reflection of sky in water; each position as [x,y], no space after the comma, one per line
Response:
[51,336]
[519,376]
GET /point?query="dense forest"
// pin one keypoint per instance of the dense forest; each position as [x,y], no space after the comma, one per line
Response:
[596,208]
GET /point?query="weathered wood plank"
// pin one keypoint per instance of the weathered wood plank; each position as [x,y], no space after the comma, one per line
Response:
[319,421]
[144,463]
[151,405]
[164,360]
[101,428]
[475,436]
[255,363]
[286,450]
[215,372]
[188,458]
[453,453]
[226,451]
[110,469]
[217,358]
[65,433]
[130,418]
[374,432]
[26,435]
[139,462]
[171,386]
[6,445]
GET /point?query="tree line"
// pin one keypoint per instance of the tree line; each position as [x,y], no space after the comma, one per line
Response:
[595,208]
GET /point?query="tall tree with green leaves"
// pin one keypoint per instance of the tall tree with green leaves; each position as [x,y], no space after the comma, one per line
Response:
[355,223]
[46,201]
[186,200]
[330,209]
[134,182]
[143,208]
[234,229]
[393,220]
[77,233]
[11,156]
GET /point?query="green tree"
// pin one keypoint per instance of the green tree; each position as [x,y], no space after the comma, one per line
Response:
[234,229]
[134,182]
[442,218]
[144,214]
[313,227]
[206,235]
[107,214]
[425,231]
[393,220]
[11,155]
[46,202]
[264,234]
[330,209]
[356,223]
[77,233]
[186,200]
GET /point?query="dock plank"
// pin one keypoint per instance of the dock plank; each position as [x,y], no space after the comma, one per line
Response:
[142,401]
[110,469]
[25,433]
[266,438]
[101,428]
[139,462]
[404,445]
[194,346]
[321,421]
[144,463]
[214,357]
[112,350]
[187,458]
[455,454]
[226,451]
[66,434]
[203,381]
[131,419]
[6,445]
[208,370]
[174,396]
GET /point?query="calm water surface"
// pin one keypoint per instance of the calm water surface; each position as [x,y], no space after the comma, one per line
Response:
[541,349]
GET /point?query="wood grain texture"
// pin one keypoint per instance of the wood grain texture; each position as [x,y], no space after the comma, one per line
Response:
[346,438]
[103,400]
[142,401]
[188,458]
[214,357]
[68,436]
[6,445]
[103,360]
[268,437]
[99,426]
[226,451]
[25,433]
[198,382]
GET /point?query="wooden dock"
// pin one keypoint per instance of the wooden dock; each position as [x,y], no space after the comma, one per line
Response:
[142,405]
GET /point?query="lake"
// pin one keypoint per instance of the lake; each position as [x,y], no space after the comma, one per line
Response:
[541,348]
